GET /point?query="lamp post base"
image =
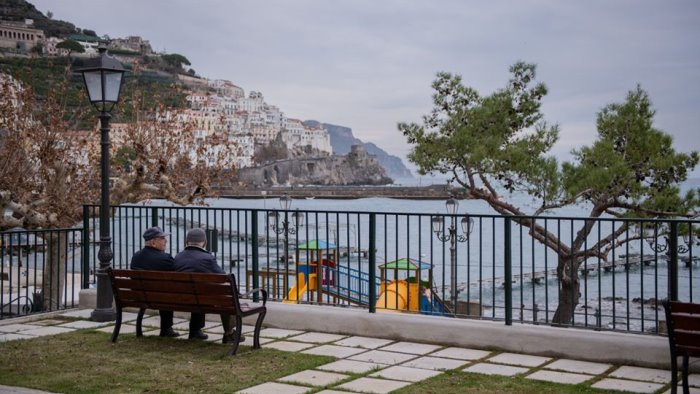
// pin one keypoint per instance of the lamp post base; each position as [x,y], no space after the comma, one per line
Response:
[103,315]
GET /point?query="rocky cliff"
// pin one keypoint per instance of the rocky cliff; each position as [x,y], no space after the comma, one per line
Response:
[355,168]
[342,140]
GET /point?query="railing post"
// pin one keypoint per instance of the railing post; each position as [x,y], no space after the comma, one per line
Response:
[85,264]
[254,235]
[673,262]
[507,262]
[372,262]
[154,216]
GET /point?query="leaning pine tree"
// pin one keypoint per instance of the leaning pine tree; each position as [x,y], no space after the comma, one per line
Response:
[502,142]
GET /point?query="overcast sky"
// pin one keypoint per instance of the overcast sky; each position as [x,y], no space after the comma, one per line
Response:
[368,64]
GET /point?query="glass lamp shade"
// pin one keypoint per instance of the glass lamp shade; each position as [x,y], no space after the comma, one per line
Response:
[298,219]
[272,219]
[103,80]
[437,224]
[467,225]
[451,204]
[285,202]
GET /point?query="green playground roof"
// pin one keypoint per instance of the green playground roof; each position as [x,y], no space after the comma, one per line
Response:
[316,245]
[406,263]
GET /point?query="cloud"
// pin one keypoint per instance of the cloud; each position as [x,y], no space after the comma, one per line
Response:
[368,64]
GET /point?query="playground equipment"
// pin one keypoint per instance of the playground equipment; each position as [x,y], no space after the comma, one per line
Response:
[307,284]
[411,293]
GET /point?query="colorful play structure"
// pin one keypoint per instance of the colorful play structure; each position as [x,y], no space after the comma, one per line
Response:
[404,285]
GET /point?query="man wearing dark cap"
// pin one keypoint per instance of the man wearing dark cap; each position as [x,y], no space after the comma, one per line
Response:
[153,257]
[195,258]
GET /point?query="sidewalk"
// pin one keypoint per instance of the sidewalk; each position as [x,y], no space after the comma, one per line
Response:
[384,365]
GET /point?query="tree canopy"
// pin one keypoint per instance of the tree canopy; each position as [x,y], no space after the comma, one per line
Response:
[176,60]
[502,139]
[71,46]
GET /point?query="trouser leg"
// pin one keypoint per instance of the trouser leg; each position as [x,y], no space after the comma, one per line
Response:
[166,320]
[196,322]
[226,322]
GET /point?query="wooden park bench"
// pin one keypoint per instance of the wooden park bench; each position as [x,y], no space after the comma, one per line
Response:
[184,292]
[683,321]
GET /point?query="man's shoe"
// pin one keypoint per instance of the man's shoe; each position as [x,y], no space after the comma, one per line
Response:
[228,338]
[198,335]
[170,333]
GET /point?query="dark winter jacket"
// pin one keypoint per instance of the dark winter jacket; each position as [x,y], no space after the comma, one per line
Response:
[196,259]
[153,259]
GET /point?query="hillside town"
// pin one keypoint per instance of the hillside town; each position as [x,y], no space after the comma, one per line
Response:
[220,111]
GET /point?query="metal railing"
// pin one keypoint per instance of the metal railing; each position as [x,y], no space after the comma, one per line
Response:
[501,272]
[498,271]
[40,270]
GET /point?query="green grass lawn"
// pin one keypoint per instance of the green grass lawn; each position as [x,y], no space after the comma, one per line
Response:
[86,361]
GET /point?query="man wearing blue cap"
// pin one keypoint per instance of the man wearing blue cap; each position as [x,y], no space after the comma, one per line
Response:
[195,258]
[153,257]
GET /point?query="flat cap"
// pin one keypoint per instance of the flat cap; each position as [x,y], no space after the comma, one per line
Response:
[153,232]
[196,235]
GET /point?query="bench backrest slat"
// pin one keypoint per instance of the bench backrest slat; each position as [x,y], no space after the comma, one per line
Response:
[165,290]
[683,321]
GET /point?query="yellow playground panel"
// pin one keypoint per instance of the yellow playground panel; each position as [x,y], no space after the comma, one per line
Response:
[402,295]
[315,250]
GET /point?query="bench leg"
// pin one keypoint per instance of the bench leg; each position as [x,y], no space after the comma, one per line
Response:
[139,321]
[686,387]
[236,336]
[674,374]
[117,325]
[258,326]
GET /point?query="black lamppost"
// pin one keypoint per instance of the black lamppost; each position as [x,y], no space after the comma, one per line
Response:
[103,80]
[651,235]
[450,234]
[285,226]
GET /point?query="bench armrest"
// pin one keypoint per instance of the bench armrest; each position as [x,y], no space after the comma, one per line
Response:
[251,292]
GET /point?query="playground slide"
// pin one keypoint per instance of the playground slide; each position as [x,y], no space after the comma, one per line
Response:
[297,292]
[394,298]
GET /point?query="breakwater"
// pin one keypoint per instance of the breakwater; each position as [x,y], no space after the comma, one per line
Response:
[432,192]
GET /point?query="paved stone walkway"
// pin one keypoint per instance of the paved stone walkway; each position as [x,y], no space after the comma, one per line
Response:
[382,365]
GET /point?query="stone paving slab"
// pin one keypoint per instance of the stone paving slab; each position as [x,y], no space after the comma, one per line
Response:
[82,324]
[692,390]
[559,377]
[208,326]
[694,379]
[335,351]
[13,336]
[405,374]
[149,332]
[287,346]
[522,360]
[578,366]
[20,390]
[318,337]
[48,322]
[277,388]
[350,366]
[249,340]
[124,329]
[314,378]
[278,333]
[80,313]
[43,331]
[382,357]
[434,363]
[643,374]
[411,348]
[627,385]
[364,342]
[372,385]
[494,369]
[334,392]
[461,353]
[18,327]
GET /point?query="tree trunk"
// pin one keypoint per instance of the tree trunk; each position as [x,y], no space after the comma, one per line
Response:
[54,277]
[569,293]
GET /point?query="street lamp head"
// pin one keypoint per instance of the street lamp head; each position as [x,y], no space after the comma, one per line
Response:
[272,219]
[285,202]
[298,218]
[437,224]
[451,204]
[103,80]
[467,225]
